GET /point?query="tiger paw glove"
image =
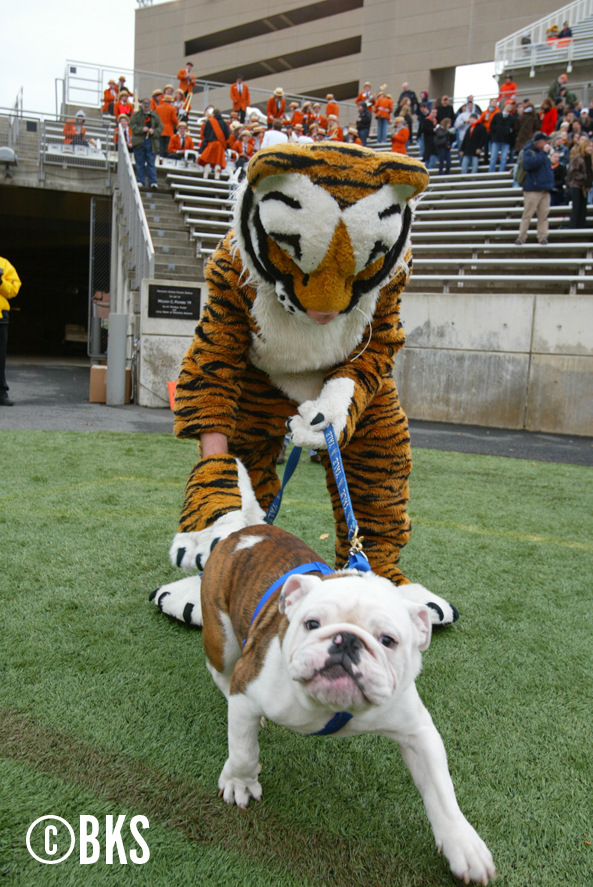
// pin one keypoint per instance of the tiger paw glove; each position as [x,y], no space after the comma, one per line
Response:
[219,500]
[332,407]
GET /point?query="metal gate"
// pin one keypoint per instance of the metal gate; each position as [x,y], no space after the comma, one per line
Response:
[99,277]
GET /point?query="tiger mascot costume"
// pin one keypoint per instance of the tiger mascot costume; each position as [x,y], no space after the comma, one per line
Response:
[300,330]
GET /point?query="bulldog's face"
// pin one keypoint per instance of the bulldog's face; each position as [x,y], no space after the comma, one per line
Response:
[353,641]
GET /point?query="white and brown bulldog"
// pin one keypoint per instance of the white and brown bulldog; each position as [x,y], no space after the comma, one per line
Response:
[323,652]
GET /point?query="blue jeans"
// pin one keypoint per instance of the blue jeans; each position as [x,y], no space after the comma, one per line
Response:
[444,156]
[382,126]
[145,163]
[504,149]
[465,164]
[431,162]
[363,135]
[420,145]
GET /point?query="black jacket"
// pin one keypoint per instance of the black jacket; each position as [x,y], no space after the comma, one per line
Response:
[502,129]
[445,111]
[443,138]
[364,119]
[210,135]
[473,142]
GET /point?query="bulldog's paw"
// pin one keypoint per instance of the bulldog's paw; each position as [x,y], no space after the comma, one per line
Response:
[441,611]
[238,791]
[468,856]
[181,600]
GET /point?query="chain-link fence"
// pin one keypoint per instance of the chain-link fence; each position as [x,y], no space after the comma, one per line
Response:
[99,277]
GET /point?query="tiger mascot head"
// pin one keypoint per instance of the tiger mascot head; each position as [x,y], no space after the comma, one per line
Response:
[326,223]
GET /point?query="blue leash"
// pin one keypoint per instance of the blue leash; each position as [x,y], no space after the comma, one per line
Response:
[357,559]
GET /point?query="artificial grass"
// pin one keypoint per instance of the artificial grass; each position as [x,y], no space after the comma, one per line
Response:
[106,706]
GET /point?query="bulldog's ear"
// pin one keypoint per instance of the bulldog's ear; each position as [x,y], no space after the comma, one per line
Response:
[294,590]
[421,621]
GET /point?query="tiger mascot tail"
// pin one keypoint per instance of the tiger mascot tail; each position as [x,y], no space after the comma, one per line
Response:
[300,329]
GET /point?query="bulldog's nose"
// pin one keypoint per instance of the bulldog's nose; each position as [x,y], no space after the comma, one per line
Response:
[348,643]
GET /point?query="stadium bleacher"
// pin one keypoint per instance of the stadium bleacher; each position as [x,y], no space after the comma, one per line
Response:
[463,236]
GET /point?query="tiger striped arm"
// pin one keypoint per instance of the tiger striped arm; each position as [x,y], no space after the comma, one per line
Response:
[219,500]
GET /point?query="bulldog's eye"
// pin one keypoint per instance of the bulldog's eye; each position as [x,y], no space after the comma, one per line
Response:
[311,624]
[387,641]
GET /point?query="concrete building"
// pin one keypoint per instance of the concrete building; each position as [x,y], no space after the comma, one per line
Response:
[328,46]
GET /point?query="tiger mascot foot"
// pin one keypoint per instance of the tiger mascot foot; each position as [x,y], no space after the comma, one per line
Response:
[441,611]
[181,600]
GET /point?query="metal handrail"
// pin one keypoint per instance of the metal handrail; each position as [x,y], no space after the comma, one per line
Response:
[509,47]
[139,239]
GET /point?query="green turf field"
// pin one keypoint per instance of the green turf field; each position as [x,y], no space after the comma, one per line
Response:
[106,706]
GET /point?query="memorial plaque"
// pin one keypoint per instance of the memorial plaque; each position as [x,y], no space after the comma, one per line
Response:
[174,302]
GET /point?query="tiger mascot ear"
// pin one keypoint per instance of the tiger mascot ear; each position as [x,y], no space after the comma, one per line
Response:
[326,223]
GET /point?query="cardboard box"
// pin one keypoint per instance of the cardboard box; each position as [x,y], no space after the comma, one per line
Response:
[98,393]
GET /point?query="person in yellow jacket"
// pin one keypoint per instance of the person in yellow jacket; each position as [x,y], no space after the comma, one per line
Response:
[10,284]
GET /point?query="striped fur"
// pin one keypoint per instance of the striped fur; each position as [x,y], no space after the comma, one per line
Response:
[257,356]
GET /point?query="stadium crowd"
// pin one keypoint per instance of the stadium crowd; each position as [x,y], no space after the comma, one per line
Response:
[495,135]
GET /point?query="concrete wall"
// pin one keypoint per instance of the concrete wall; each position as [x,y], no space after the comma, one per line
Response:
[506,361]
[400,40]
[162,346]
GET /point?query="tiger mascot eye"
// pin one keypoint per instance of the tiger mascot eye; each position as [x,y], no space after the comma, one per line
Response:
[302,322]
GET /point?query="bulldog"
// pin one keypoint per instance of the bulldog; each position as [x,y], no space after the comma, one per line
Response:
[325,653]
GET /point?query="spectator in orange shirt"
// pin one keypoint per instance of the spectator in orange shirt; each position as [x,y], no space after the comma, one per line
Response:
[331,107]
[123,104]
[187,81]
[486,119]
[352,136]
[75,133]
[276,105]
[168,90]
[317,117]
[366,96]
[169,119]
[180,143]
[155,99]
[109,97]
[334,132]
[383,109]
[400,137]
[240,97]
[124,121]
[508,90]
[549,117]
[297,115]
[235,132]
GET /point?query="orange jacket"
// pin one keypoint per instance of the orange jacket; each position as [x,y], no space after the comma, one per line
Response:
[109,96]
[383,107]
[507,91]
[175,144]
[245,150]
[128,134]
[369,99]
[70,132]
[319,119]
[168,116]
[486,117]
[335,135]
[297,117]
[399,140]
[186,81]
[332,108]
[272,111]
[242,100]
[123,108]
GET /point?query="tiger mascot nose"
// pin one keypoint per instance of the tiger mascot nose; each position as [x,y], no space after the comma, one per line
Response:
[329,287]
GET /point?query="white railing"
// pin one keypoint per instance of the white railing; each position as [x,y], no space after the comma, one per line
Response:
[139,239]
[511,51]
[84,84]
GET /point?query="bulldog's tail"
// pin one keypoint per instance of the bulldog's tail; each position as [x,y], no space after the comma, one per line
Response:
[181,600]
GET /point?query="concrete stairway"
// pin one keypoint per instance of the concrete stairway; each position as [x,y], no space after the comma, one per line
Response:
[175,255]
